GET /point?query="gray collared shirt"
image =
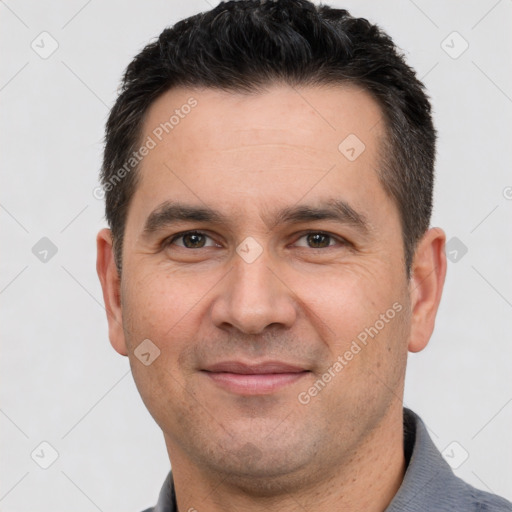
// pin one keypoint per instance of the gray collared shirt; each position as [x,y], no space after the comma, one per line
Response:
[429,484]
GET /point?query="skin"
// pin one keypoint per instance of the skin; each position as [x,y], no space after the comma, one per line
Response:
[248,156]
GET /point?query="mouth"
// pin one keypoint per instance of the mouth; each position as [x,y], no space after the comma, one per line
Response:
[254,379]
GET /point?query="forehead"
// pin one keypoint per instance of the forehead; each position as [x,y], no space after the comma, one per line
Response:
[216,147]
[313,117]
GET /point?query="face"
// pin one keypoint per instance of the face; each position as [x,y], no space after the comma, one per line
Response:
[264,261]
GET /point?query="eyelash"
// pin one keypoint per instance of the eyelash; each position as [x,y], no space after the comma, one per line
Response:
[340,240]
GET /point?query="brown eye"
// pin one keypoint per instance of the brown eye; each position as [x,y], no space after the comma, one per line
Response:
[192,240]
[321,240]
[318,240]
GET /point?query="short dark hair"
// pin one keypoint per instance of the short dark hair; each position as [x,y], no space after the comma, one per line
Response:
[247,45]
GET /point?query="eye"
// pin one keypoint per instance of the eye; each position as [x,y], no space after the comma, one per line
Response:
[319,240]
[191,240]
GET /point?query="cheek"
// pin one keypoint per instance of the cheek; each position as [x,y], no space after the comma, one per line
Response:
[164,309]
[158,304]
[364,319]
[349,299]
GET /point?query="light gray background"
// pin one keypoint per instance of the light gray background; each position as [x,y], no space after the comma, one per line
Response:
[63,383]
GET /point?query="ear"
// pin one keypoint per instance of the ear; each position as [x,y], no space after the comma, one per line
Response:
[111,286]
[428,272]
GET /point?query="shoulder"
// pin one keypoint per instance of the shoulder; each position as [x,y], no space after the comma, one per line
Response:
[482,501]
[429,482]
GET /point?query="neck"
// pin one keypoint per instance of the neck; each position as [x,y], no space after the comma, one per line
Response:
[367,480]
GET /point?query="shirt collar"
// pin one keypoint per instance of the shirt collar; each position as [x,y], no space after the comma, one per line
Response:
[428,477]
[167,497]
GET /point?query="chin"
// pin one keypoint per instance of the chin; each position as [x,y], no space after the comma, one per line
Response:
[263,479]
[262,468]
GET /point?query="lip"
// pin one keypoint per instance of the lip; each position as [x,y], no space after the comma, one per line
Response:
[254,379]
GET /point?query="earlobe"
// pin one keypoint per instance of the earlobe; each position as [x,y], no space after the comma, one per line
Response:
[111,286]
[426,286]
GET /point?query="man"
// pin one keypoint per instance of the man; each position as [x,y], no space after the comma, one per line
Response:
[268,172]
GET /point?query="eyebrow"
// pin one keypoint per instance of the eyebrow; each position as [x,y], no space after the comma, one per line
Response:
[334,209]
[169,213]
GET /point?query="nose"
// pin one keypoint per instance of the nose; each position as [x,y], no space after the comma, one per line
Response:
[253,297]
